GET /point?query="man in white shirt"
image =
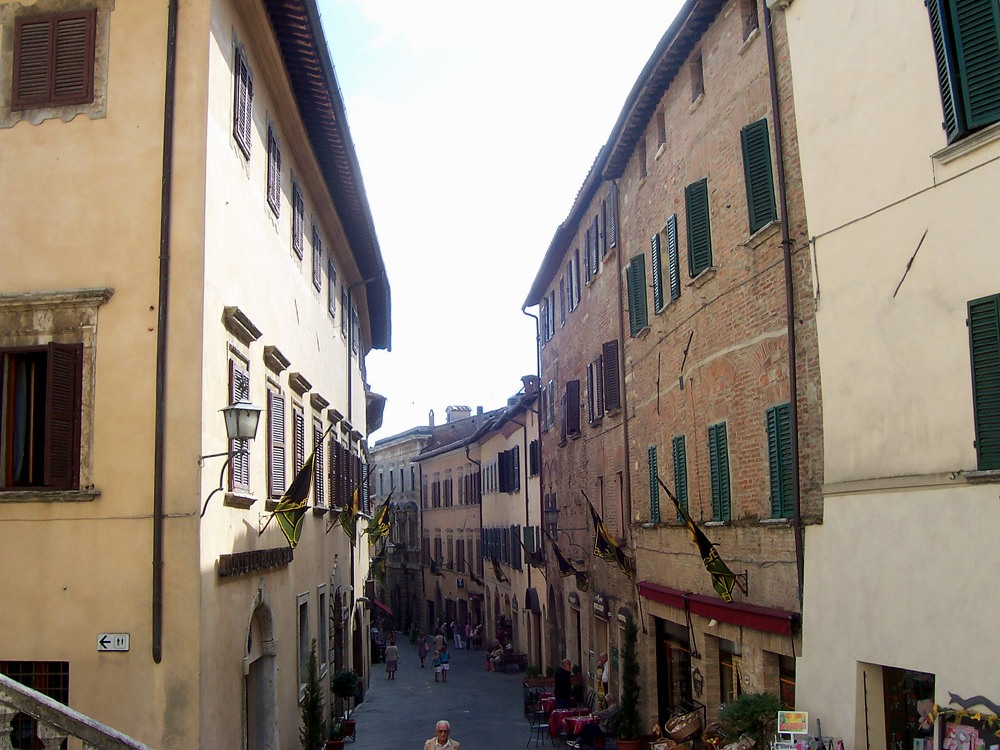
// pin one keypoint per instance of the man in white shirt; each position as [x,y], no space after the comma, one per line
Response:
[443,740]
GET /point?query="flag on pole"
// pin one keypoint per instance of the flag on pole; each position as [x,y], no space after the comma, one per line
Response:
[349,516]
[566,568]
[292,506]
[475,578]
[435,569]
[381,523]
[582,580]
[378,567]
[498,572]
[535,559]
[605,545]
[723,579]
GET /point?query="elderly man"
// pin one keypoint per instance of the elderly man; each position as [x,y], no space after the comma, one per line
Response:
[442,740]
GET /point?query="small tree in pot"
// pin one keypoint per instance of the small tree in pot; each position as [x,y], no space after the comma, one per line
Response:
[754,715]
[628,732]
[312,730]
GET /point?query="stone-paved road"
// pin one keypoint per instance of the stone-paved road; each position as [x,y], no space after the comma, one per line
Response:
[485,709]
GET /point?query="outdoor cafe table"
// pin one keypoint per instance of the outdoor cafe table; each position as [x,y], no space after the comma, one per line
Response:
[557,719]
[575,724]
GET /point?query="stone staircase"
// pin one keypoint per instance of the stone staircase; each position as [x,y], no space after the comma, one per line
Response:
[55,721]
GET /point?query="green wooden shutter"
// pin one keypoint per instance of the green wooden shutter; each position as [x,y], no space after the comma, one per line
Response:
[976,26]
[654,486]
[779,455]
[718,455]
[984,341]
[673,262]
[636,277]
[946,66]
[657,267]
[680,472]
[699,230]
[757,170]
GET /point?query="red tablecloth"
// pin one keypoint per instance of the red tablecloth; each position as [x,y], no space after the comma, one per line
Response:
[547,702]
[558,718]
[575,724]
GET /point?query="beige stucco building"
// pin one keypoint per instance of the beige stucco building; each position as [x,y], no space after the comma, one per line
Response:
[185,226]
[898,606]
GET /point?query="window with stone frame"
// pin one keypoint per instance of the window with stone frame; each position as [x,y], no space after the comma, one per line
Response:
[242,103]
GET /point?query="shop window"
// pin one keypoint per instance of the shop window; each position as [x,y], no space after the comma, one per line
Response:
[903,691]
[786,681]
[673,668]
[730,671]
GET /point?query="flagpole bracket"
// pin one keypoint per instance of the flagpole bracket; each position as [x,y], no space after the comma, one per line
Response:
[743,581]
[225,464]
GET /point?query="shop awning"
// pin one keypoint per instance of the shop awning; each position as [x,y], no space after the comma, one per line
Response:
[764,619]
[381,606]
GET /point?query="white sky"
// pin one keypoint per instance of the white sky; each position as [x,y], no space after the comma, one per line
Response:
[475,124]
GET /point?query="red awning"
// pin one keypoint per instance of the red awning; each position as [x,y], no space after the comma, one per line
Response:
[764,619]
[381,606]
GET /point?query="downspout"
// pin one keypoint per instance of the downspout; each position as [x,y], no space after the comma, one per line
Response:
[627,473]
[159,429]
[538,421]
[786,249]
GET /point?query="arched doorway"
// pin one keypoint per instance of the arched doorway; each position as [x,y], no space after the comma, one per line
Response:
[260,681]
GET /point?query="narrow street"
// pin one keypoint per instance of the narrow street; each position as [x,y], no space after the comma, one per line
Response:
[485,708]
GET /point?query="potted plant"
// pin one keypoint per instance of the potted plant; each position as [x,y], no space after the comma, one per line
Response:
[344,685]
[312,730]
[628,734]
[752,715]
[337,734]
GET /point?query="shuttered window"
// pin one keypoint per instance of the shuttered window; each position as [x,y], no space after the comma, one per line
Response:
[657,268]
[588,254]
[699,231]
[571,294]
[317,259]
[572,407]
[654,486]
[576,277]
[319,494]
[242,103]
[239,390]
[718,464]
[54,60]
[604,229]
[984,341]
[680,472]
[673,262]
[966,39]
[779,459]
[344,309]
[298,437]
[40,412]
[298,219]
[612,386]
[273,172]
[331,288]
[595,255]
[591,413]
[562,302]
[276,479]
[563,427]
[757,172]
[638,317]
[613,216]
[599,388]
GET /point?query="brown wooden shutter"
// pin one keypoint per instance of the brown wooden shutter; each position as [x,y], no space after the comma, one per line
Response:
[613,216]
[62,416]
[239,467]
[276,481]
[590,393]
[273,172]
[573,407]
[54,59]
[242,104]
[319,496]
[599,378]
[612,388]
[298,437]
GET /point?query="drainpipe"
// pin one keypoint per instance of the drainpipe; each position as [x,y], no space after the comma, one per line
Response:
[627,473]
[786,249]
[159,440]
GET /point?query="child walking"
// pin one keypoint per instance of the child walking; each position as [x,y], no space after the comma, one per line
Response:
[437,664]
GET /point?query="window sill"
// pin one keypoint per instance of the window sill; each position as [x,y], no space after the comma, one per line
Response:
[782,521]
[704,276]
[239,500]
[320,510]
[987,476]
[696,102]
[749,40]
[967,144]
[660,151]
[762,235]
[42,495]
[666,307]
[716,523]
[610,254]
[641,333]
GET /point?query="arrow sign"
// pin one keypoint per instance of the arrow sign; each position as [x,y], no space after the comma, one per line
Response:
[113,642]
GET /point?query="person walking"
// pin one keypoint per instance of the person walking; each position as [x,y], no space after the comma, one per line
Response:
[456,629]
[445,663]
[439,640]
[563,684]
[436,663]
[442,739]
[468,636]
[391,659]
[423,647]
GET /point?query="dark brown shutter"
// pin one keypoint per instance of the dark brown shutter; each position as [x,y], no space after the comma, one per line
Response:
[239,467]
[298,437]
[573,407]
[319,496]
[612,388]
[298,214]
[276,481]
[599,381]
[62,416]
[590,393]
[317,259]
[613,216]
[273,172]
[54,59]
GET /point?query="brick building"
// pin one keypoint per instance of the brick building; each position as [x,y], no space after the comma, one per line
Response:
[667,307]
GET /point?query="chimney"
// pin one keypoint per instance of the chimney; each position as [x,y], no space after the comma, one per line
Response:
[530,384]
[430,418]
[479,411]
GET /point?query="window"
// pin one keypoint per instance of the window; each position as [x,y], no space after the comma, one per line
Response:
[576,277]
[570,290]
[533,458]
[552,313]
[636,279]
[298,437]
[54,60]
[657,268]
[344,306]
[317,259]
[599,387]
[654,486]
[273,172]
[984,341]
[613,215]
[604,229]
[331,289]
[673,262]
[552,403]
[355,331]
[298,219]
[276,480]
[239,390]
[966,37]
[50,678]
[779,458]
[305,646]
[572,407]
[718,463]
[40,410]
[562,302]
[661,128]
[697,77]
[242,103]
[699,229]
[748,9]
[321,637]
[641,148]
[680,472]
[543,320]
[591,395]
[612,387]
[588,255]
[319,496]
[594,255]
[757,170]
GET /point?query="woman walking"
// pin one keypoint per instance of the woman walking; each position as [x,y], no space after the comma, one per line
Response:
[423,647]
[391,659]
